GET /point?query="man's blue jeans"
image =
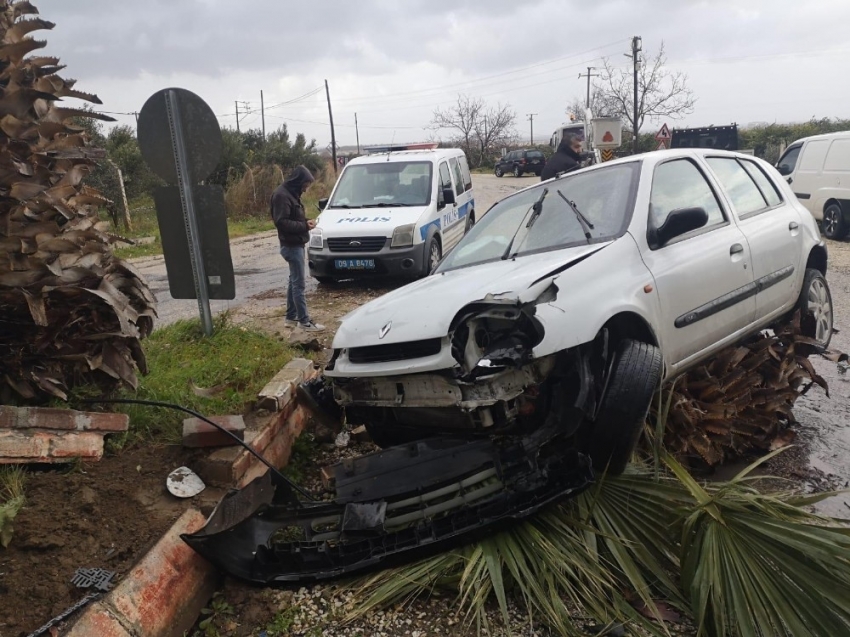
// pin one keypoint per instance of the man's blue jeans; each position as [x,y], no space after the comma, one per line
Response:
[296,302]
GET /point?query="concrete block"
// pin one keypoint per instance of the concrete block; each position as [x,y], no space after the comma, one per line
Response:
[280,389]
[197,433]
[98,620]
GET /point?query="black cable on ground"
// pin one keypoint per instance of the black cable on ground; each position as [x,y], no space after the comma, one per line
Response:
[156,403]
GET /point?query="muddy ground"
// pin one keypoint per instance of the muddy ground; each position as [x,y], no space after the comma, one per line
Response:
[100,515]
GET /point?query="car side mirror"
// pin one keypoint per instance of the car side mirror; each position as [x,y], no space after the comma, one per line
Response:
[448,196]
[678,223]
[784,169]
[323,203]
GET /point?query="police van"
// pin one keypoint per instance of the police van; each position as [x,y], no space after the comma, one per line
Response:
[392,214]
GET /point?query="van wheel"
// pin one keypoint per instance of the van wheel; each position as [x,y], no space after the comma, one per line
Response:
[499,172]
[435,254]
[517,172]
[633,379]
[470,221]
[815,305]
[834,224]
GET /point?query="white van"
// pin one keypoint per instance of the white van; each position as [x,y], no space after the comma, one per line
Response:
[818,169]
[392,214]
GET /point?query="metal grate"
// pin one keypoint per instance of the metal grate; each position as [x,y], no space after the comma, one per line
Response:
[356,244]
[395,351]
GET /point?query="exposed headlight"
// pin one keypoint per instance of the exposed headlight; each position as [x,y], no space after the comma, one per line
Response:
[316,239]
[403,236]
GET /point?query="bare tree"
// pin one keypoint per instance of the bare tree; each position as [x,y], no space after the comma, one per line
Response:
[478,129]
[661,92]
[598,105]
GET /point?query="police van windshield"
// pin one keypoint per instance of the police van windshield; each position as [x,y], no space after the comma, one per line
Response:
[384,184]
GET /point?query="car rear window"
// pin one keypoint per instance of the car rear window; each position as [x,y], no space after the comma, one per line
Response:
[764,183]
[742,190]
[535,154]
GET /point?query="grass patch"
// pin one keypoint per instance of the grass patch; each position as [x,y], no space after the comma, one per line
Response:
[235,363]
[11,500]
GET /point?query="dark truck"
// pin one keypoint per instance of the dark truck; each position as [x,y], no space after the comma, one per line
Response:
[720,137]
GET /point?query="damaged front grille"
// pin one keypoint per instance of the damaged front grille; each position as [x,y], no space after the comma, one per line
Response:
[395,351]
[399,504]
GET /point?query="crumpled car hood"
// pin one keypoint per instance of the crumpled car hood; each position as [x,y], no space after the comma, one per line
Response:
[425,309]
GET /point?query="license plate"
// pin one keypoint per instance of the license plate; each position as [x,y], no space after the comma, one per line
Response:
[354,264]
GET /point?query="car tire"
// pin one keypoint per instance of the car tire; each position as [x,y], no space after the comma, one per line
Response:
[433,255]
[499,172]
[634,377]
[816,309]
[835,226]
[326,280]
[517,172]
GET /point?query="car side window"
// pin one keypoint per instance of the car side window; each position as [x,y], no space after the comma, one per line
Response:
[458,176]
[467,177]
[445,180]
[742,190]
[680,184]
[788,162]
[768,189]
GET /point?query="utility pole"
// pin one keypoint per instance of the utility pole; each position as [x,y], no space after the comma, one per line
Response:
[588,75]
[636,49]
[263,115]
[237,115]
[331,117]
[531,119]
[357,132]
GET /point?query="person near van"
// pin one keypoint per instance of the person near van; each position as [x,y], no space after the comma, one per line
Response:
[565,159]
[293,231]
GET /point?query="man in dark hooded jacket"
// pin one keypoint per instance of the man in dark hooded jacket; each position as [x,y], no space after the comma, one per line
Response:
[565,159]
[293,231]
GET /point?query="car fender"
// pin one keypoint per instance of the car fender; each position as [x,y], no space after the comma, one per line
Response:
[621,284]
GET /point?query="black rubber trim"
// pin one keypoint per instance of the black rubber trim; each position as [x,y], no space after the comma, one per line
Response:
[802,195]
[734,297]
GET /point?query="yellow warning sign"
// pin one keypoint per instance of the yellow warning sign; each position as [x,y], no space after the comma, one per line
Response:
[607,154]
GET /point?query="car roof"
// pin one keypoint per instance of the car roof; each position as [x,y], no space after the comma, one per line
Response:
[838,134]
[435,154]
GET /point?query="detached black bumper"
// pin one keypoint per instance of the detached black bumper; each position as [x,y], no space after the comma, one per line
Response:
[393,262]
[399,504]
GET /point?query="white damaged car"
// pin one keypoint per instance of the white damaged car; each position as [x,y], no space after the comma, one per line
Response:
[571,301]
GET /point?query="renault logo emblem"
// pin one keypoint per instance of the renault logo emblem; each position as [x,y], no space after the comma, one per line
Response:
[385,330]
[354,243]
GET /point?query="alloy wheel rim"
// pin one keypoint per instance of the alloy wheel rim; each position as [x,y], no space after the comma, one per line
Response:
[820,306]
[831,221]
[435,256]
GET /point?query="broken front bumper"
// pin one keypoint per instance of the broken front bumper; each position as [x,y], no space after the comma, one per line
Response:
[394,505]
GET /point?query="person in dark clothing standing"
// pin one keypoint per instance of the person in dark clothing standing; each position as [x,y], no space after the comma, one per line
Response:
[293,231]
[565,159]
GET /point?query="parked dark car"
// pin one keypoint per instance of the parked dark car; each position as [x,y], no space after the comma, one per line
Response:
[519,162]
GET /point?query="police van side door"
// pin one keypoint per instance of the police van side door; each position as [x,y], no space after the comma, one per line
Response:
[447,208]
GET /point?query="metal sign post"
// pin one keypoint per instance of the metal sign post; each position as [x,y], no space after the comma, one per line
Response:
[172,107]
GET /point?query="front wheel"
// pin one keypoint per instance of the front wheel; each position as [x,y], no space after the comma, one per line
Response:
[835,226]
[470,221]
[435,254]
[815,305]
[499,172]
[633,379]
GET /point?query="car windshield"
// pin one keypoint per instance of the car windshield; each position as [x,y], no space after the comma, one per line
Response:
[384,184]
[597,202]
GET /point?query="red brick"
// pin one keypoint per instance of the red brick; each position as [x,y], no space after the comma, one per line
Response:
[41,446]
[197,433]
[278,451]
[53,418]
[164,593]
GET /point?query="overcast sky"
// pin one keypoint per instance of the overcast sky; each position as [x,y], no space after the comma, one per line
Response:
[393,62]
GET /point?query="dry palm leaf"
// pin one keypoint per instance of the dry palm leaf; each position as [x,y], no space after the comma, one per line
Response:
[70,312]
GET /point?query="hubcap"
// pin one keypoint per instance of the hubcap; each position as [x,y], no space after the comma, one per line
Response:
[435,256]
[821,307]
[830,221]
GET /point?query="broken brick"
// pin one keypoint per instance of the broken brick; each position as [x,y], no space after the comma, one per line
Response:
[197,433]
[52,418]
[18,446]
[280,389]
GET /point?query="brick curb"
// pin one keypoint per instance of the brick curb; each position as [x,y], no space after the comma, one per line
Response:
[161,596]
[164,593]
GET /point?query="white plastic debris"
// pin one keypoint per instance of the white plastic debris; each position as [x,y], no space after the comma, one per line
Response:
[342,439]
[184,483]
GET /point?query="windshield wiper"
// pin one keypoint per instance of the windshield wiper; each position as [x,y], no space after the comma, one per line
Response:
[341,205]
[585,224]
[536,209]
[383,204]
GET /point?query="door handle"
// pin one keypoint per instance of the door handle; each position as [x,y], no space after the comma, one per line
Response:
[789,180]
[793,225]
[736,248]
